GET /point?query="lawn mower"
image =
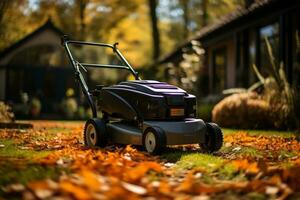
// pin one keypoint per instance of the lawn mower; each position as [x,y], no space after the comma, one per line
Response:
[148,113]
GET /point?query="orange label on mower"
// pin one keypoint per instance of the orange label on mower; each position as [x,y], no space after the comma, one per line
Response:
[176,112]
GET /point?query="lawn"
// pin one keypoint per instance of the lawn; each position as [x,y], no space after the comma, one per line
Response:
[50,161]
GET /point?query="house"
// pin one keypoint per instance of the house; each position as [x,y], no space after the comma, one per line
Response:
[237,41]
[36,65]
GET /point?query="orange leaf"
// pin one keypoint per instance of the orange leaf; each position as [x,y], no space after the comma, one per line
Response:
[90,180]
[74,190]
[164,187]
[187,184]
[141,169]
[244,165]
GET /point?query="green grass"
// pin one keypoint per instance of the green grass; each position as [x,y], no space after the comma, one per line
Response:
[191,160]
[280,133]
[185,160]
[17,165]
[10,172]
[287,154]
[11,149]
[24,171]
[52,132]
[206,162]
[198,160]
[243,151]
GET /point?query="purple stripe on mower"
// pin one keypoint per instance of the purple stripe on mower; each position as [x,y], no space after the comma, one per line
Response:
[162,86]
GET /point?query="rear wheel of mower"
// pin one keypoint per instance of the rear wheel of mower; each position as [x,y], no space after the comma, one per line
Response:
[213,138]
[154,140]
[95,133]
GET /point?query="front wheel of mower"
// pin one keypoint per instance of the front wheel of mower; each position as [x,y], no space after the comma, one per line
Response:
[154,140]
[95,133]
[213,138]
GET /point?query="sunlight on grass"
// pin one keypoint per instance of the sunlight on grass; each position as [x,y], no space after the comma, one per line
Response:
[243,151]
[227,131]
[10,149]
[17,165]
[206,162]
[187,160]
[198,160]
[12,173]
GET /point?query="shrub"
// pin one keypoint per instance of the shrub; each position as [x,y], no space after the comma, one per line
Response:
[186,72]
[274,106]
[69,107]
[35,107]
[81,113]
[6,114]
[244,110]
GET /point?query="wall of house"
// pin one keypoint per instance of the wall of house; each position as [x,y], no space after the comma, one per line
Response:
[46,37]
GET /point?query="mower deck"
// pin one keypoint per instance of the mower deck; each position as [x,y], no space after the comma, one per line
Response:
[188,131]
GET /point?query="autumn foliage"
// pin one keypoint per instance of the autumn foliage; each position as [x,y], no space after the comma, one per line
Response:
[123,172]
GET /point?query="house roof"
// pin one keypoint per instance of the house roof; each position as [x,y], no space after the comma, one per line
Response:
[47,25]
[223,22]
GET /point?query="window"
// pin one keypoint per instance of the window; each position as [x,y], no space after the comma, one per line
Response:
[271,33]
[219,69]
[252,57]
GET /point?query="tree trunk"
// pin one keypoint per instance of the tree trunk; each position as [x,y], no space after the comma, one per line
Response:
[184,4]
[82,7]
[3,8]
[204,13]
[155,31]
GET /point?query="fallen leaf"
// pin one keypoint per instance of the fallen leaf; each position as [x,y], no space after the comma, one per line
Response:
[134,188]
[17,187]
[272,190]
[76,191]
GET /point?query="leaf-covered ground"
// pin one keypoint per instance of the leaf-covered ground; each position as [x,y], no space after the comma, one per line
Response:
[50,162]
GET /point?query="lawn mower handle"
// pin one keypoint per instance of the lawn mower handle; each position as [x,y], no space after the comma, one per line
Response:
[65,41]
[76,65]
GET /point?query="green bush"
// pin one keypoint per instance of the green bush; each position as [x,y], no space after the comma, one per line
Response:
[35,107]
[69,107]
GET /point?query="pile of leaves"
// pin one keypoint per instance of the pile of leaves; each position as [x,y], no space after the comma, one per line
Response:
[123,172]
[6,114]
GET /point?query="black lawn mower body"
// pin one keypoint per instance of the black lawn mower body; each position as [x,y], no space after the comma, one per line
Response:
[142,112]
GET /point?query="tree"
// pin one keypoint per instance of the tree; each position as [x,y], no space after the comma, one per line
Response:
[185,15]
[204,12]
[82,4]
[13,22]
[155,31]
[3,8]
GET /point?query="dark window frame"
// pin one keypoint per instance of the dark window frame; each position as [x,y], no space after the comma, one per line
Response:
[258,42]
[222,49]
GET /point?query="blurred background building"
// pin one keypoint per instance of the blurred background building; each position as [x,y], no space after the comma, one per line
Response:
[36,67]
[237,41]
[203,46]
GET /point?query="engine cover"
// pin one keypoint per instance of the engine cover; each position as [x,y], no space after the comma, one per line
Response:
[147,100]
